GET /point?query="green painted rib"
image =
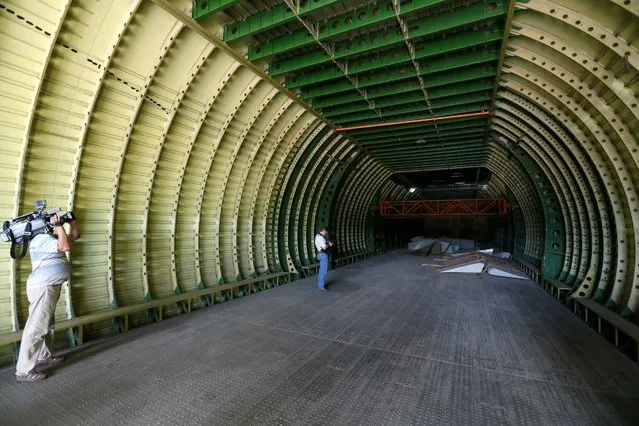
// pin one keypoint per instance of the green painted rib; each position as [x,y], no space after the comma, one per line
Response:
[435,146]
[413,96]
[426,49]
[372,14]
[445,79]
[376,132]
[436,161]
[271,18]
[379,39]
[350,21]
[444,103]
[431,137]
[430,71]
[203,8]
[436,157]
[418,130]
[442,112]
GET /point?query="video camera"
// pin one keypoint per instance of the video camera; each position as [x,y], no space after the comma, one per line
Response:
[24,228]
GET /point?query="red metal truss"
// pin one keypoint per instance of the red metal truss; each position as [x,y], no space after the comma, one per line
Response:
[443,208]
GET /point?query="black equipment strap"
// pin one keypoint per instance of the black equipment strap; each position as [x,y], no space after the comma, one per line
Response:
[25,240]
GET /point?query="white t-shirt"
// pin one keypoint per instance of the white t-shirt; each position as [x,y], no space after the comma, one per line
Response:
[50,266]
[320,242]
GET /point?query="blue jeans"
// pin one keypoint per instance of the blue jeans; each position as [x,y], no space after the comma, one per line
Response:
[323,269]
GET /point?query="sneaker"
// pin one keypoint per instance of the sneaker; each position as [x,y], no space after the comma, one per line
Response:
[322,289]
[52,360]
[30,377]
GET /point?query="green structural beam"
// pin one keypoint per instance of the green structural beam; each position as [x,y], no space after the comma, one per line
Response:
[372,14]
[434,74]
[415,95]
[378,39]
[377,132]
[426,49]
[273,17]
[554,242]
[470,155]
[436,161]
[475,156]
[451,145]
[383,95]
[421,131]
[418,141]
[444,111]
[281,14]
[203,8]
[411,108]
[330,191]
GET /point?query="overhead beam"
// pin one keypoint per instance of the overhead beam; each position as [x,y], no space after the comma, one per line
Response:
[379,39]
[408,108]
[418,120]
[431,160]
[437,165]
[420,140]
[312,32]
[410,48]
[451,145]
[465,109]
[376,132]
[457,80]
[341,25]
[420,130]
[425,169]
[349,21]
[270,18]
[504,46]
[443,208]
[423,49]
[472,152]
[413,96]
[202,8]
[433,72]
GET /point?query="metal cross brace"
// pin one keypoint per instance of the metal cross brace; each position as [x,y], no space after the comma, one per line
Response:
[411,52]
[294,6]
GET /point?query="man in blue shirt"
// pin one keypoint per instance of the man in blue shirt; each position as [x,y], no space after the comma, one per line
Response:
[323,248]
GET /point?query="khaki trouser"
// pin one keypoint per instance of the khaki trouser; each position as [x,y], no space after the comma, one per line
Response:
[37,336]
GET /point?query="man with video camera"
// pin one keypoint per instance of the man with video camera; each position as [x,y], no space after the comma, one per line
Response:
[50,269]
[323,247]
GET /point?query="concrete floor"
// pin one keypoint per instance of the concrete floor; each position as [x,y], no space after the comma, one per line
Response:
[392,343]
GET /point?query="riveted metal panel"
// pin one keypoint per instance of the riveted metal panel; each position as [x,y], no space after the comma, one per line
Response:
[312,168]
[207,219]
[255,105]
[97,97]
[286,152]
[27,47]
[188,165]
[249,190]
[314,175]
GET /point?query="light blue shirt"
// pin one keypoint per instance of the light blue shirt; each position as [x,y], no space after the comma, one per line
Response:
[50,266]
